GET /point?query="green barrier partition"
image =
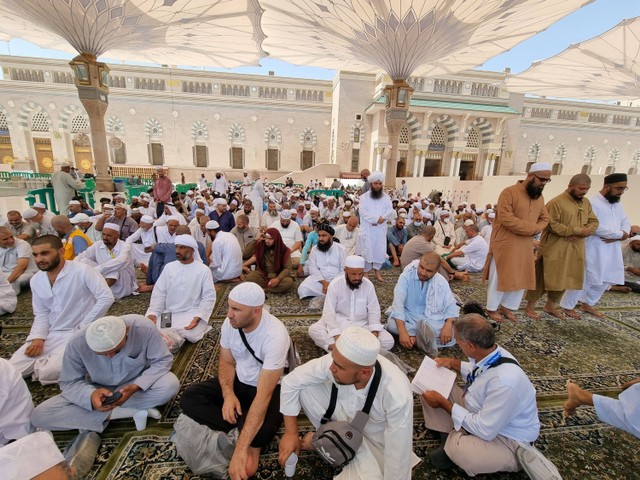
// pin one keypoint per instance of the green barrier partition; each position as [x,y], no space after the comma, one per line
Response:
[335,193]
[184,188]
[42,195]
[135,190]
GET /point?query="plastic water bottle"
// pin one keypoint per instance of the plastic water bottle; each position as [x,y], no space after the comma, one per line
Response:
[290,465]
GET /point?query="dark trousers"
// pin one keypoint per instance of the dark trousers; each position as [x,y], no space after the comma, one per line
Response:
[203,403]
[159,209]
[634,286]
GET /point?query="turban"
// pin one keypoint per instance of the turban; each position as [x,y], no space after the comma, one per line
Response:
[219,201]
[376,177]
[186,241]
[325,227]
[615,178]
[189,192]
[105,334]
[111,226]
[29,213]
[540,167]
[248,293]
[29,456]
[359,346]
[80,218]
[212,225]
[144,219]
[354,261]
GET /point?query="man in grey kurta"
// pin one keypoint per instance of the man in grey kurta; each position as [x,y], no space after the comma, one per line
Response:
[139,363]
[64,187]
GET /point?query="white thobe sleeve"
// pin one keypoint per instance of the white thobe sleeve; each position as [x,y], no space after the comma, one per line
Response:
[159,360]
[117,263]
[314,372]
[312,263]
[398,442]
[373,311]
[207,296]
[135,236]
[329,310]
[104,296]
[41,312]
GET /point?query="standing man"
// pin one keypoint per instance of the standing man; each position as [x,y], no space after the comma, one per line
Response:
[64,187]
[510,265]
[404,189]
[375,210]
[365,177]
[220,184]
[162,188]
[66,297]
[604,265]
[246,392]
[561,256]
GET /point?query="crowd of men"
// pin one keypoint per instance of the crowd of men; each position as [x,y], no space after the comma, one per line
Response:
[332,248]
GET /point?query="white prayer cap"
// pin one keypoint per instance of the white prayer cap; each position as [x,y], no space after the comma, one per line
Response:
[492,215]
[145,219]
[39,205]
[469,222]
[248,293]
[187,241]
[111,226]
[376,177]
[293,210]
[74,202]
[540,167]
[212,225]
[444,212]
[219,201]
[107,206]
[29,213]
[199,210]
[331,198]
[120,196]
[189,192]
[80,218]
[29,456]
[105,334]
[479,210]
[135,210]
[348,202]
[65,164]
[173,218]
[307,202]
[358,345]
[159,168]
[346,214]
[323,196]
[314,209]
[354,261]
[285,214]
[121,205]
[402,215]
[402,210]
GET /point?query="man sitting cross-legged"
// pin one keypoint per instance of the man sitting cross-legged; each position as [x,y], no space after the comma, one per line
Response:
[225,254]
[246,393]
[325,263]
[351,301]
[273,263]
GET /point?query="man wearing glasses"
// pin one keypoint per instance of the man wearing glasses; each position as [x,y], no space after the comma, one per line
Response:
[604,265]
[510,265]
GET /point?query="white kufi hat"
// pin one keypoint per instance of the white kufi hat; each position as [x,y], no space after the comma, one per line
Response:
[359,346]
[105,334]
[248,293]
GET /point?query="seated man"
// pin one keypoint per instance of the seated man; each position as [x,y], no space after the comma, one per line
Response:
[471,255]
[347,234]
[66,296]
[445,233]
[246,394]
[415,227]
[38,220]
[19,228]
[15,404]
[423,301]
[86,226]
[113,355]
[273,264]
[386,450]
[143,240]
[351,301]
[246,235]
[224,253]
[396,240]
[16,260]
[185,290]
[291,236]
[622,413]
[222,215]
[8,297]
[270,216]
[112,258]
[482,425]
[126,225]
[253,219]
[631,258]
[325,263]
[75,240]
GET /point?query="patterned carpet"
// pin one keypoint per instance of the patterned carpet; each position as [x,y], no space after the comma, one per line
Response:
[599,354]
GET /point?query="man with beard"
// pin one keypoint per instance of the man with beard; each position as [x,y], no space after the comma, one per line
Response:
[225,254]
[250,212]
[325,263]
[273,263]
[66,297]
[127,225]
[604,265]
[270,216]
[246,235]
[220,184]
[561,255]
[375,210]
[74,239]
[347,234]
[510,265]
[185,291]
[143,240]
[291,236]
[351,301]
[222,215]
[112,258]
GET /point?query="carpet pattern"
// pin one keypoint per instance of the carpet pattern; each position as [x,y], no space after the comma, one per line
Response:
[598,354]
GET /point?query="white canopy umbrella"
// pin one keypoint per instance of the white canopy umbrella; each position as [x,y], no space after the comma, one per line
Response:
[606,67]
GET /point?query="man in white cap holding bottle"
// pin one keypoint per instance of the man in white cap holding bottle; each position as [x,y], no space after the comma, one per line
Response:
[64,187]
[246,393]
[118,367]
[350,301]
[386,451]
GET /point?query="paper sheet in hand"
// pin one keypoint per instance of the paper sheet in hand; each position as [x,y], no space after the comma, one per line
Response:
[432,377]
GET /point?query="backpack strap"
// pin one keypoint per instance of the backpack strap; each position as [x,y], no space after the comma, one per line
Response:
[502,360]
[246,344]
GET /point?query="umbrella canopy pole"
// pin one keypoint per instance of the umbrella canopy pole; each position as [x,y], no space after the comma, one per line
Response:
[91,79]
[398,98]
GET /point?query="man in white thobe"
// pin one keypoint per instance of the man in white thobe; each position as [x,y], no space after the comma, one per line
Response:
[291,236]
[64,187]
[43,219]
[113,259]
[386,451]
[142,241]
[185,290]
[66,297]
[250,212]
[16,260]
[325,263]
[375,210]
[351,301]
[348,233]
[15,404]
[220,184]
[224,252]
[604,264]
[444,229]
[471,256]
[8,296]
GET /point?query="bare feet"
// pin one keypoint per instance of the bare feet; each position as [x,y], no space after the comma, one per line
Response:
[531,313]
[552,309]
[576,398]
[589,309]
[396,263]
[507,313]
[620,289]
[572,313]
[143,268]
[462,276]
[379,276]
[305,442]
[143,288]
[235,280]
[495,316]
[217,286]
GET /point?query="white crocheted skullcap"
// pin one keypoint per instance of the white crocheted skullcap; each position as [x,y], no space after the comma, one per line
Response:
[111,226]
[212,225]
[146,219]
[469,222]
[74,202]
[29,456]
[248,293]
[359,346]
[540,167]
[285,214]
[39,205]
[79,218]
[354,261]
[29,213]
[105,334]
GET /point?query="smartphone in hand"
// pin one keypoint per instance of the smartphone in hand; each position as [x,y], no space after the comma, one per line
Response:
[115,396]
[165,320]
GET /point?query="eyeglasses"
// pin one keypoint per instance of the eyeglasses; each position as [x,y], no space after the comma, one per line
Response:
[543,180]
[620,189]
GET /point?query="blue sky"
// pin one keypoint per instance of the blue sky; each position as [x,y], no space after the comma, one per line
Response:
[586,23]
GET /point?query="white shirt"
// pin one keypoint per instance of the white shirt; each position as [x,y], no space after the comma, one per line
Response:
[254,218]
[348,239]
[113,264]
[372,241]
[290,235]
[8,297]
[500,401]
[327,265]
[270,342]
[146,237]
[186,291]
[443,229]
[268,221]
[15,404]
[220,185]
[226,257]
[475,254]
[162,234]
[486,232]
[78,297]
[345,308]
[9,257]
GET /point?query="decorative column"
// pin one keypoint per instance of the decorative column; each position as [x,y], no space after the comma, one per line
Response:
[91,80]
[398,98]
[492,165]
[379,151]
[452,165]
[416,163]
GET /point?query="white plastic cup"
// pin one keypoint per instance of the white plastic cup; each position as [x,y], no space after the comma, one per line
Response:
[290,465]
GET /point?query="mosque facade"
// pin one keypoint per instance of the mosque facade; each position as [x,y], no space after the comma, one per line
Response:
[193,122]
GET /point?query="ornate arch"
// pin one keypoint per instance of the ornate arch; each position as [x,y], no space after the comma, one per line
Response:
[153,128]
[114,125]
[485,129]
[273,136]
[6,116]
[448,124]
[67,114]
[352,134]
[414,126]
[27,110]
[308,137]
[199,131]
[236,133]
